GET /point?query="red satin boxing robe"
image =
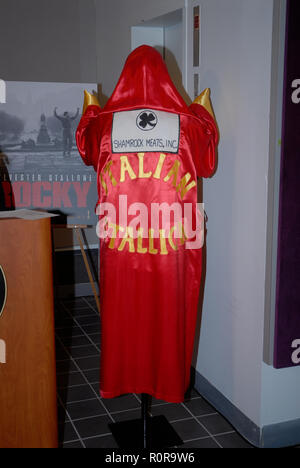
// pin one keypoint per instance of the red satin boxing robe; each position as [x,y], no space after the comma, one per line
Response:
[147,144]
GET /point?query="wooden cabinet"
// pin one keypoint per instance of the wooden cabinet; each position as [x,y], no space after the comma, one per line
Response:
[28,409]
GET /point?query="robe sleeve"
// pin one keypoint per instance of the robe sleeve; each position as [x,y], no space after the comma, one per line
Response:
[207,141]
[88,136]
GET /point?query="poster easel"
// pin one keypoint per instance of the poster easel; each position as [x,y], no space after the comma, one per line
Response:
[78,228]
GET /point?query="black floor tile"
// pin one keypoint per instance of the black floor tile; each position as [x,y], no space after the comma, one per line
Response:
[101,442]
[78,309]
[155,401]
[82,312]
[90,320]
[88,363]
[96,388]
[216,424]
[129,415]
[84,351]
[63,322]
[190,394]
[172,411]
[79,393]
[74,341]
[91,300]
[70,379]
[189,429]
[85,409]
[61,353]
[121,403]
[67,332]
[96,338]
[93,426]
[73,445]
[91,329]
[65,366]
[233,441]
[60,313]
[199,407]
[76,302]
[66,432]
[92,376]
[207,442]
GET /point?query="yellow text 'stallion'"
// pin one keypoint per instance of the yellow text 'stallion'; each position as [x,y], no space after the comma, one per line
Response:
[111,177]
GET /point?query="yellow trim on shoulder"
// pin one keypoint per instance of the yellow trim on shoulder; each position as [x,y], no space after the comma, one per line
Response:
[204,100]
[89,100]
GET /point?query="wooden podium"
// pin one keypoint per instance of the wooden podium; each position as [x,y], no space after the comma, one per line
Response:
[28,409]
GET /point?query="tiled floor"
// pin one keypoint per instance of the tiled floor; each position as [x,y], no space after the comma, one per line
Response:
[84,416]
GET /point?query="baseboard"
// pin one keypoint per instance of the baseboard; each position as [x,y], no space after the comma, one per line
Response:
[246,427]
[284,434]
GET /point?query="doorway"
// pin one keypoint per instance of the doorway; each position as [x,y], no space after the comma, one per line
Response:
[166,34]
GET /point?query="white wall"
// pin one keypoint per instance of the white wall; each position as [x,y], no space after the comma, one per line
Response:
[43,40]
[174,52]
[236,64]
[115,19]
[153,36]
[280,395]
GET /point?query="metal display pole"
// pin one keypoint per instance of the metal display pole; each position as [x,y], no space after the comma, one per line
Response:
[145,417]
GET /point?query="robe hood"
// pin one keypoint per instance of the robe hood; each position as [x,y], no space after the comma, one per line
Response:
[146,83]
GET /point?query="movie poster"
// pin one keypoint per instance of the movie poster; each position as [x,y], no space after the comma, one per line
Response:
[40,166]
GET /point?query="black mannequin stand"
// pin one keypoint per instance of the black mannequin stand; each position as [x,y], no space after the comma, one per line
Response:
[148,432]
